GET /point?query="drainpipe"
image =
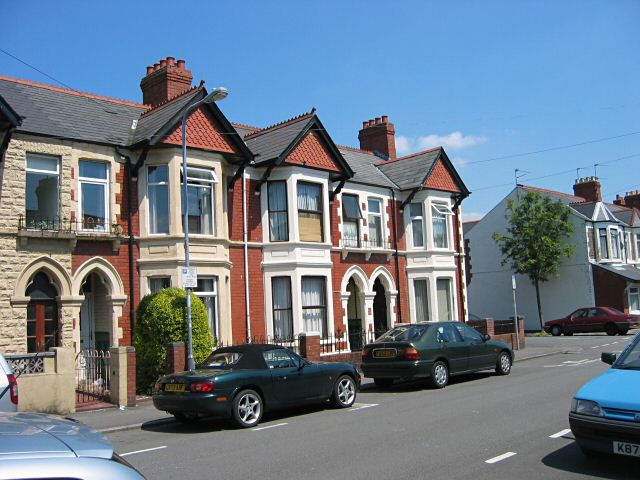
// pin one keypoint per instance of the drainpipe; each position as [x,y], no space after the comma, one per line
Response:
[132,287]
[395,244]
[246,254]
[457,201]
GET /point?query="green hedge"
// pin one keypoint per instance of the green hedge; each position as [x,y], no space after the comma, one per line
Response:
[162,318]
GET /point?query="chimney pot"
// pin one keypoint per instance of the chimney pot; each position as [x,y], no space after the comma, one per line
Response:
[378,121]
[156,66]
[385,119]
[365,124]
[171,60]
[163,63]
[372,122]
[182,65]
[149,70]
[166,83]
[381,140]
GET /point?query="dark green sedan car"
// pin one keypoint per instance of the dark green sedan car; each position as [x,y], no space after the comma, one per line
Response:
[433,350]
[241,382]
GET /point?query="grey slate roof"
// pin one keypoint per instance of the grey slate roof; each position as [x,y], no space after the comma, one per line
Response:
[409,172]
[272,142]
[630,216]
[586,209]
[153,121]
[362,164]
[9,118]
[621,269]
[242,130]
[57,113]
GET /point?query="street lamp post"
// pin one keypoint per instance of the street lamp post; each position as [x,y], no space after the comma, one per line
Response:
[217,94]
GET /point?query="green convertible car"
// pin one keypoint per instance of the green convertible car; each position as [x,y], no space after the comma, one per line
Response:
[433,350]
[242,381]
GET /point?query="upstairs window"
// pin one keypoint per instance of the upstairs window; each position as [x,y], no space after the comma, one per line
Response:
[637,246]
[310,212]
[94,195]
[602,236]
[43,192]
[278,214]
[351,216]
[158,193]
[415,214]
[375,222]
[615,243]
[590,243]
[439,219]
[200,192]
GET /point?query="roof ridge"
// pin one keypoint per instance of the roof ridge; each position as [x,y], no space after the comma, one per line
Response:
[244,125]
[70,91]
[354,149]
[384,162]
[159,106]
[284,123]
[550,191]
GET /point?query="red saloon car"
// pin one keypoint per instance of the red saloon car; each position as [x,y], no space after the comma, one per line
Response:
[593,319]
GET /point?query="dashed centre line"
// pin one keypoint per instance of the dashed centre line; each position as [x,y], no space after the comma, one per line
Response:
[142,451]
[269,426]
[561,433]
[361,406]
[499,458]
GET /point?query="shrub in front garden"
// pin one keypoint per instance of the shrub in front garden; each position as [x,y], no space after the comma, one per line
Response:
[162,318]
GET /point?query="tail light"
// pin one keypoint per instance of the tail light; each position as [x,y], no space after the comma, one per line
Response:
[202,387]
[365,353]
[13,389]
[411,353]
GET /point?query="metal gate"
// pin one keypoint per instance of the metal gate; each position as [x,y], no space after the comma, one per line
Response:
[92,376]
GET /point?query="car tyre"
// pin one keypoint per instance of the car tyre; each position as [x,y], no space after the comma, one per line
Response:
[623,332]
[186,418]
[247,408]
[556,331]
[383,382]
[439,374]
[611,329]
[504,363]
[344,392]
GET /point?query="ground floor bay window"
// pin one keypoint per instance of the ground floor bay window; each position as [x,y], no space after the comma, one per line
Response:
[207,291]
[421,294]
[282,308]
[634,299]
[314,304]
[444,296]
[42,315]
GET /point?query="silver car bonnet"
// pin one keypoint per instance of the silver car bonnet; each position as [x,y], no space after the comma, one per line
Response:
[32,435]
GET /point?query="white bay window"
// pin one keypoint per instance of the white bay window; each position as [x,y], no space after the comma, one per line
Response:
[200,193]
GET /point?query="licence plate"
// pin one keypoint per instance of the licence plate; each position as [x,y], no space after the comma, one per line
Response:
[174,387]
[384,353]
[631,449]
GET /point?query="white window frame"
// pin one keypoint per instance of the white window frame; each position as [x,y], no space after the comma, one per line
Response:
[427,299]
[638,246]
[634,291]
[590,237]
[615,243]
[419,218]
[375,243]
[199,182]
[353,242]
[445,211]
[215,322]
[157,278]
[451,300]
[95,181]
[603,255]
[45,172]
[154,184]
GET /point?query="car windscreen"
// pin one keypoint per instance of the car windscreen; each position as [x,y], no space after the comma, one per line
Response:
[222,360]
[404,333]
[630,357]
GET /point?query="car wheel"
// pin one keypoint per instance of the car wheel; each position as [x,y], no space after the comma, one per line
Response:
[611,329]
[439,374]
[503,365]
[187,418]
[623,332]
[344,392]
[383,382]
[247,409]
[556,330]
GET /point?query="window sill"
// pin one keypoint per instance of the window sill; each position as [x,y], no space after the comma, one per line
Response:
[368,251]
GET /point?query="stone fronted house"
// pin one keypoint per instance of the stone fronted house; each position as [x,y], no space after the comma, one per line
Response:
[604,270]
[290,233]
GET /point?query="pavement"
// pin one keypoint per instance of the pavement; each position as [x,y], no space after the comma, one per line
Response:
[144,414]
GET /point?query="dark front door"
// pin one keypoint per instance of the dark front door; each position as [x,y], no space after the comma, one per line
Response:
[379,308]
[42,325]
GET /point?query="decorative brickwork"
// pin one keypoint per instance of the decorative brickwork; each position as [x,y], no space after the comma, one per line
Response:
[441,179]
[203,131]
[312,152]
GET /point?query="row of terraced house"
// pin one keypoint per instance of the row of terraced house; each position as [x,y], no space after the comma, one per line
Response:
[289,232]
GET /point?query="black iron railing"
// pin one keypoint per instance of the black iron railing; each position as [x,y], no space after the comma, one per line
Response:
[364,244]
[62,224]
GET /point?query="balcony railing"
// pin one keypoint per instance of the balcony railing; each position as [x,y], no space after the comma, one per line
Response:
[368,247]
[89,225]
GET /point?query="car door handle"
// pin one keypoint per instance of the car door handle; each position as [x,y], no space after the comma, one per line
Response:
[282,377]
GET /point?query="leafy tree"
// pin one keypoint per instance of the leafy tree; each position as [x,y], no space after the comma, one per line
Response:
[535,240]
[162,318]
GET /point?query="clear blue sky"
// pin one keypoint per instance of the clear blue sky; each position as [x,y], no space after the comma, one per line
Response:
[485,79]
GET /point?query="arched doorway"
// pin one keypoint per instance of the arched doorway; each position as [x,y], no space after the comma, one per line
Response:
[95,314]
[380,317]
[42,314]
[355,316]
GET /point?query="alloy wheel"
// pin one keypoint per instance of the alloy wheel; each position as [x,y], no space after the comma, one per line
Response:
[249,408]
[346,391]
[441,374]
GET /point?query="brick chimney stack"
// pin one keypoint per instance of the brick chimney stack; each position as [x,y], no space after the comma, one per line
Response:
[630,200]
[378,135]
[165,80]
[588,188]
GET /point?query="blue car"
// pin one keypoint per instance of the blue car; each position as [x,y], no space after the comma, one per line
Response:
[605,413]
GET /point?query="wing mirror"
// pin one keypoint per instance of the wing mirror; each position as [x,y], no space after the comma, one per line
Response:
[486,337]
[608,358]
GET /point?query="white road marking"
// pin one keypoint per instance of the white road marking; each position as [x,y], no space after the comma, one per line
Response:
[500,457]
[561,433]
[142,451]
[597,346]
[606,344]
[361,406]
[573,363]
[269,426]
